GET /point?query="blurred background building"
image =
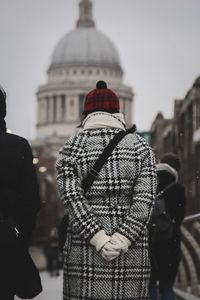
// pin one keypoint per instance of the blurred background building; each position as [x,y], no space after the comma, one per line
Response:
[181,135]
[79,60]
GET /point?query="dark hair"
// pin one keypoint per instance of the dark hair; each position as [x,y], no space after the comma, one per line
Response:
[3,126]
[2,109]
[171,159]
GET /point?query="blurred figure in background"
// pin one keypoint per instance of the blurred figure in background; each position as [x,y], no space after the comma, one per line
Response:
[165,250]
[52,253]
[19,197]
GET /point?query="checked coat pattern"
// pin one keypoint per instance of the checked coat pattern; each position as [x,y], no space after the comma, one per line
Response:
[121,200]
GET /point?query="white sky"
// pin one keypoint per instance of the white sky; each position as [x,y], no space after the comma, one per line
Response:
[158,42]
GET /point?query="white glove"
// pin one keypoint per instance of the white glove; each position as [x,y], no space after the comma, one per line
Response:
[108,252]
[120,242]
[100,239]
[115,246]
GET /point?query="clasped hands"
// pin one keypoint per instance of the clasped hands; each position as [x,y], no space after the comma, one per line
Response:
[114,247]
[110,247]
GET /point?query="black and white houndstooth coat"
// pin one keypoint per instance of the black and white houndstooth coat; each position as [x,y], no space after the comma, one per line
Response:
[121,200]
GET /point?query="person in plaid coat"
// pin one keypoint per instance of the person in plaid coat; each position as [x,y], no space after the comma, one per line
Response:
[106,250]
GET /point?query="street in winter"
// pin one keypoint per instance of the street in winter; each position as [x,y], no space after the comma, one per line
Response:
[100,149]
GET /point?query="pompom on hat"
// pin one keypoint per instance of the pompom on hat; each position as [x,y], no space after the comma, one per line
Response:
[101,99]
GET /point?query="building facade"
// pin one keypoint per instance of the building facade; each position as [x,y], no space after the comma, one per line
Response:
[159,128]
[181,135]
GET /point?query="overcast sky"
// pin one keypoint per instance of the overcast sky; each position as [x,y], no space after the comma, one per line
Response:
[158,42]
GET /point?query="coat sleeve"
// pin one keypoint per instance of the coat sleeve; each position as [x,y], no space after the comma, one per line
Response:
[143,198]
[71,192]
[29,196]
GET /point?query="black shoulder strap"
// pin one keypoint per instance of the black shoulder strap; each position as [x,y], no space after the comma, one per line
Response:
[93,173]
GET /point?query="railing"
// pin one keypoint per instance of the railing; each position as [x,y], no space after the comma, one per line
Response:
[188,278]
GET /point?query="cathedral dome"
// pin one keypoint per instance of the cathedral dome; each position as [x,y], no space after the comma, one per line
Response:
[82,57]
[86,46]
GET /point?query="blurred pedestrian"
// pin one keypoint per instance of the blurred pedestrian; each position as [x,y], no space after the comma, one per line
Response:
[166,252]
[19,198]
[53,253]
[106,251]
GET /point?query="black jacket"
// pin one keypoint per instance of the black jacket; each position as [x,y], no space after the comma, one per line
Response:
[166,254]
[19,192]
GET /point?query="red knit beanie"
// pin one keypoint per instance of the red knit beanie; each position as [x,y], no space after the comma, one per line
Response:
[101,99]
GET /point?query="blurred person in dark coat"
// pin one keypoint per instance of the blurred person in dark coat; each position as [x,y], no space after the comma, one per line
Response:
[166,254]
[19,195]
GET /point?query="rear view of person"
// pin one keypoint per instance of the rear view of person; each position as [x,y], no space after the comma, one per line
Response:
[106,252]
[19,196]
[165,251]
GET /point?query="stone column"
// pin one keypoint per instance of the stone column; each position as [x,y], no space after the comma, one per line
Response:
[39,109]
[58,109]
[66,107]
[50,109]
[72,108]
[76,109]
[47,109]
[127,110]
[43,109]
[63,108]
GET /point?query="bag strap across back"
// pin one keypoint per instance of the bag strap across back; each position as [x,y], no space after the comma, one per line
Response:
[93,173]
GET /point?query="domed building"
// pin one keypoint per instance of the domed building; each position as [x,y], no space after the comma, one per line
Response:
[81,58]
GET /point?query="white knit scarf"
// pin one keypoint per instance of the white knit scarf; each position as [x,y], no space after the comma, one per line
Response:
[101,119]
